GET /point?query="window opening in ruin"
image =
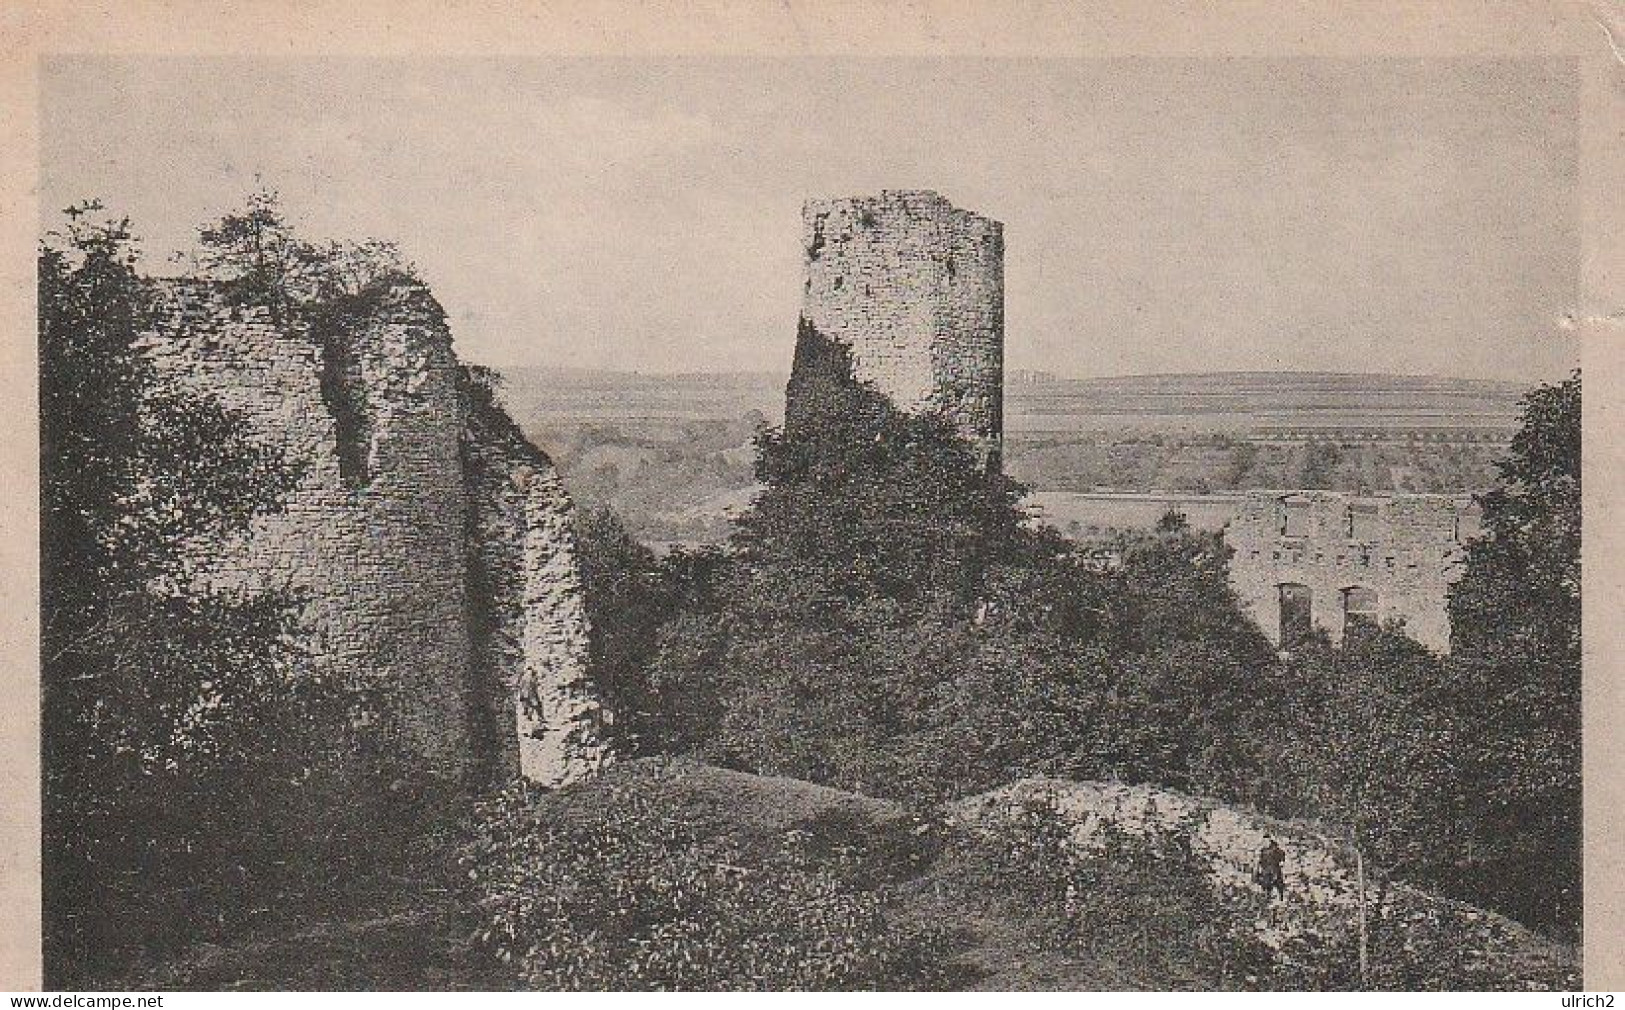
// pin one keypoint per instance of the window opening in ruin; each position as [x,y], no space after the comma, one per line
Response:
[1359,609]
[1294,518]
[1363,521]
[1297,613]
[346,398]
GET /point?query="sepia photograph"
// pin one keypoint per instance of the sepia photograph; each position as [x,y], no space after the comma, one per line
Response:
[814,520]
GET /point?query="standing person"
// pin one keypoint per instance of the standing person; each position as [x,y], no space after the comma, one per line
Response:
[1272,867]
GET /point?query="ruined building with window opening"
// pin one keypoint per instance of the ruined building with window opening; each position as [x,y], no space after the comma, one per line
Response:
[1308,559]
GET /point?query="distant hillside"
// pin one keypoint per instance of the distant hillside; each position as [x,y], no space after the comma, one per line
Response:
[671,452]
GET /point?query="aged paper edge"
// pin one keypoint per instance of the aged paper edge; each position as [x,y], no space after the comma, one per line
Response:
[1592,33]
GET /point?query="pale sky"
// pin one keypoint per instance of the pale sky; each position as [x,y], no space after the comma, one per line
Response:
[1161,215]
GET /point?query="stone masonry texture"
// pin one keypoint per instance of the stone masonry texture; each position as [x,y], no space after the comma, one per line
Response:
[1407,550]
[380,537]
[1323,896]
[914,288]
[533,633]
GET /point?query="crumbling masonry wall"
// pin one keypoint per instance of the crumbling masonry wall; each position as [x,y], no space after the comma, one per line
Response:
[531,628]
[1323,896]
[913,288]
[377,535]
[1407,550]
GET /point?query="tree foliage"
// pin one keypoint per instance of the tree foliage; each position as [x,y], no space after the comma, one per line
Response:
[887,620]
[188,747]
[891,621]
[158,695]
[629,594]
[1515,666]
[259,259]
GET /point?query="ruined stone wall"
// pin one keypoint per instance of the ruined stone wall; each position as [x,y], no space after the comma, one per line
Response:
[382,532]
[1320,910]
[914,288]
[378,555]
[1407,549]
[532,622]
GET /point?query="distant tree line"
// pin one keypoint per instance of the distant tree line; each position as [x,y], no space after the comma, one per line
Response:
[1203,463]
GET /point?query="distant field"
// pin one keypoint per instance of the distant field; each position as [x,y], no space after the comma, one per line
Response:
[1225,402]
[672,455]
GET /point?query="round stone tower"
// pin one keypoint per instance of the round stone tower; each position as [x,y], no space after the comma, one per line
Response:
[913,288]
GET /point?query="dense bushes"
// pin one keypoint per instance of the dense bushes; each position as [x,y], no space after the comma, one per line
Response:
[1125,899]
[193,762]
[615,887]
[629,594]
[887,621]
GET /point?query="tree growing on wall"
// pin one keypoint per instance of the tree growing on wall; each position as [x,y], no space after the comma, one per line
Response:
[260,259]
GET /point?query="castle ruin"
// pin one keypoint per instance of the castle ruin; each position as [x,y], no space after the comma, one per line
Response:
[1319,559]
[913,288]
[430,543]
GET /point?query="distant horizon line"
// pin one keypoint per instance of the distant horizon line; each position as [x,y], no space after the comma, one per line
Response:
[1056,376]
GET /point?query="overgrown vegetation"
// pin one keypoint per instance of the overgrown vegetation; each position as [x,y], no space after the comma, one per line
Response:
[1148,898]
[618,887]
[1148,901]
[886,621]
[194,762]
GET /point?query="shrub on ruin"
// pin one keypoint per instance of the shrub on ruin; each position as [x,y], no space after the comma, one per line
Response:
[619,890]
[257,258]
